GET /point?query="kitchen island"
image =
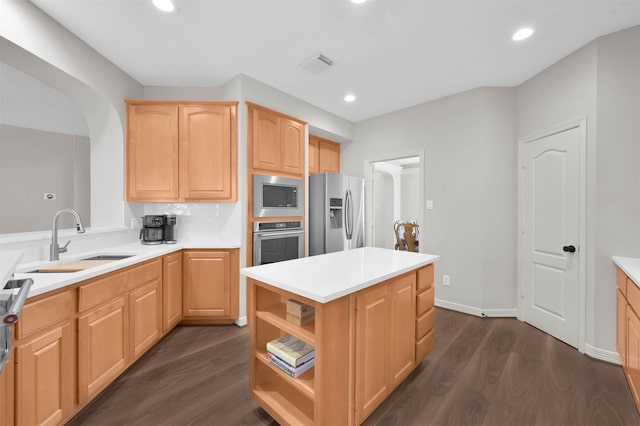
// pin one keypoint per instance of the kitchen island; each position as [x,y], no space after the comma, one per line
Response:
[373,325]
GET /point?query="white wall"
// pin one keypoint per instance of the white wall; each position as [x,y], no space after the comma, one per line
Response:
[469,148]
[410,187]
[29,103]
[600,81]
[617,172]
[383,193]
[34,43]
[34,162]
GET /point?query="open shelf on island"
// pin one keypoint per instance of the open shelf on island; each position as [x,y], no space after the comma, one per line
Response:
[276,314]
[282,397]
[304,382]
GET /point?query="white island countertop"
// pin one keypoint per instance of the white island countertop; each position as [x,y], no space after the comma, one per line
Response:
[630,266]
[330,276]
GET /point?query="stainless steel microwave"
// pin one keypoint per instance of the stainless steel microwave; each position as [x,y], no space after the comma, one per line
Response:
[276,196]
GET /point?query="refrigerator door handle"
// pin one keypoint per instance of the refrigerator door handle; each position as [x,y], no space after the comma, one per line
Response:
[349,214]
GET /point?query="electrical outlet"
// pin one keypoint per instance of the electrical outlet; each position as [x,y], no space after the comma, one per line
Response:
[135,223]
[445,280]
[429,204]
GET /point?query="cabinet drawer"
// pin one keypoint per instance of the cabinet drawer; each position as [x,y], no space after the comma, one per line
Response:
[44,312]
[425,278]
[424,302]
[101,290]
[424,324]
[633,295]
[621,279]
[142,274]
[424,346]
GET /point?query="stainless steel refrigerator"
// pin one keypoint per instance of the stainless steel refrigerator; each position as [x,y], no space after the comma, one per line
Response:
[336,213]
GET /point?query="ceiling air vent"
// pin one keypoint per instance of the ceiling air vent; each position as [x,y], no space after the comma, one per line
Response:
[317,63]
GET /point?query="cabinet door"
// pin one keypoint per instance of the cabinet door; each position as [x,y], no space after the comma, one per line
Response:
[633,353]
[373,311]
[621,328]
[207,153]
[145,318]
[152,152]
[103,346]
[314,155]
[206,283]
[329,157]
[291,146]
[171,290]
[402,333]
[44,377]
[266,135]
[7,392]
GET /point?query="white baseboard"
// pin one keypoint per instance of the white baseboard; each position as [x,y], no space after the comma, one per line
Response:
[241,321]
[472,310]
[602,354]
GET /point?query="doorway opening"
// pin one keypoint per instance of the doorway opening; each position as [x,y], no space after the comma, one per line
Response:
[394,187]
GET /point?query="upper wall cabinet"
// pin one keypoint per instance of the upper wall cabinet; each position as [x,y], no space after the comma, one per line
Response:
[181,151]
[277,142]
[324,155]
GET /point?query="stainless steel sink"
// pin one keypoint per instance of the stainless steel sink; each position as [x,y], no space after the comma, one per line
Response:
[109,257]
[80,264]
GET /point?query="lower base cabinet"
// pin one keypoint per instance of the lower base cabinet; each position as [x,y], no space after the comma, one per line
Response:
[210,285]
[628,331]
[103,347]
[71,344]
[385,345]
[44,373]
[7,381]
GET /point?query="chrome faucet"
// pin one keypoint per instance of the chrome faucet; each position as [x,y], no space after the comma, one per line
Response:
[55,249]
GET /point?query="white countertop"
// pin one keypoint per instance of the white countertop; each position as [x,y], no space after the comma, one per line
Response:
[330,276]
[45,282]
[9,260]
[630,266]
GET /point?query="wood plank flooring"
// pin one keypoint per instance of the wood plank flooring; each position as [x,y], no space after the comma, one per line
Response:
[482,371]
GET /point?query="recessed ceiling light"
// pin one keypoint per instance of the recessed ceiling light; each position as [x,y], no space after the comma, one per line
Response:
[164,5]
[522,33]
[349,98]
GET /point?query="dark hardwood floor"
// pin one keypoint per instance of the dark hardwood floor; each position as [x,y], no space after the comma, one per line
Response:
[482,371]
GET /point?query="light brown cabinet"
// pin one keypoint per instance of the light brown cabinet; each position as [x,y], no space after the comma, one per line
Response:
[373,331]
[385,346]
[7,381]
[628,331]
[276,141]
[103,347]
[120,318]
[324,155]
[72,343]
[425,312]
[171,290]
[210,285]
[181,151]
[146,317]
[44,361]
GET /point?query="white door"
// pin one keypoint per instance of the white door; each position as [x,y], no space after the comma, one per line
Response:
[550,268]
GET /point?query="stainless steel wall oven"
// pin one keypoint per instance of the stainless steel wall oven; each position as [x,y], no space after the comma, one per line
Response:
[277,241]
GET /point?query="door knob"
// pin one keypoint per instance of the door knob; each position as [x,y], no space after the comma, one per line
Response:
[569,249]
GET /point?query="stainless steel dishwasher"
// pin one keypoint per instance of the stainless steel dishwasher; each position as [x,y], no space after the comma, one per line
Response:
[10,307]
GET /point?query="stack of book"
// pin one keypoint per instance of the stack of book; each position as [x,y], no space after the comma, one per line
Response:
[291,355]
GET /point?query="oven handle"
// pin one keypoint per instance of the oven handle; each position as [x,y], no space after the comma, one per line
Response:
[265,234]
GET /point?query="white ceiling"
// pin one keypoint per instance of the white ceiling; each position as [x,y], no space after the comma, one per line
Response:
[391,54]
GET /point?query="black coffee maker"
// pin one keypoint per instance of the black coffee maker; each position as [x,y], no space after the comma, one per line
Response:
[158,229]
